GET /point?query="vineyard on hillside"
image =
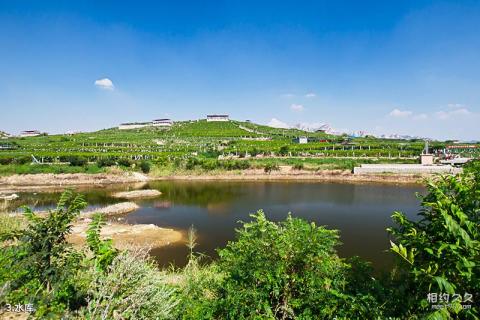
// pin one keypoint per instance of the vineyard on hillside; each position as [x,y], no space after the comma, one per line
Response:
[203,140]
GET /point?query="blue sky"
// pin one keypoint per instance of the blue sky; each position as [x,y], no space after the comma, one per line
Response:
[407,67]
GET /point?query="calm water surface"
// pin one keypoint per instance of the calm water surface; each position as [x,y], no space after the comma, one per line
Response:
[360,211]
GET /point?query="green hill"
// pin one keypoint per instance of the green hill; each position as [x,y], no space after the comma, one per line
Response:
[204,139]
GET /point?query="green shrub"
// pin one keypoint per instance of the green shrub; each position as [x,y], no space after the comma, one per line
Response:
[285,270]
[75,160]
[192,163]
[106,162]
[102,249]
[441,252]
[283,151]
[269,167]
[5,161]
[46,267]
[145,166]
[22,160]
[210,164]
[235,164]
[125,162]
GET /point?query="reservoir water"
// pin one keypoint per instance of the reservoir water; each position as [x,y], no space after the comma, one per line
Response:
[360,211]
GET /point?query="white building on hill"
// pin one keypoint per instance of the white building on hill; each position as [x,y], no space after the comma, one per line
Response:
[217,117]
[162,123]
[30,133]
[134,125]
[301,140]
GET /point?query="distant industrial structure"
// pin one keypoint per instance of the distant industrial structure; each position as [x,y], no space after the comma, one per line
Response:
[30,133]
[217,118]
[165,123]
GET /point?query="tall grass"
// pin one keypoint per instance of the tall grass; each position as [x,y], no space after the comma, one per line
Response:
[8,222]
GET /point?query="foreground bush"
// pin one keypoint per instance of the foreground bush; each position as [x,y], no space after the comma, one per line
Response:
[131,288]
[441,252]
[286,270]
[40,267]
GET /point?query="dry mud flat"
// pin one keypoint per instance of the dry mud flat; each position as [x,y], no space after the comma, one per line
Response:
[123,235]
[114,209]
[126,235]
[137,194]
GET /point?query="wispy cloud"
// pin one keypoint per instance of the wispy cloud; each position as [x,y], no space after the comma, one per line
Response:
[297,107]
[443,115]
[275,123]
[454,110]
[105,84]
[397,113]
[310,95]
[421,116]
[456,105]
[287,95]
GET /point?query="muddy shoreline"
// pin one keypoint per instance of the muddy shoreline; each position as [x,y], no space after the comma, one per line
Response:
[53,182]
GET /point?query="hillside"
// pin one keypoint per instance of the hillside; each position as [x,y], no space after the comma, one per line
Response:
[207,138]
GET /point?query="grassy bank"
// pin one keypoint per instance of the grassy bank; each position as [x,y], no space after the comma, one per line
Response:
[9,169]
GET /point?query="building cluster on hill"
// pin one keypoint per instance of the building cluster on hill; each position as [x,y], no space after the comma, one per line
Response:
[166,123]
[163,123]
[30,133]
[218,117]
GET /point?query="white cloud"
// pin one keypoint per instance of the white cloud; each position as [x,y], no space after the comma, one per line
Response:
[400,114]
[275,123]
[287,95]
[463,112]
[297,107]
[421,116]
[456,105]
[105,84]
[443,115]
[310,95]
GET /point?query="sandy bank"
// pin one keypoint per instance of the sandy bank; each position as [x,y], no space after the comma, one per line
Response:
[111,210]
[19,181]
[292,175]
[114,209]
[125,235]
[137,194]
[60,181]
